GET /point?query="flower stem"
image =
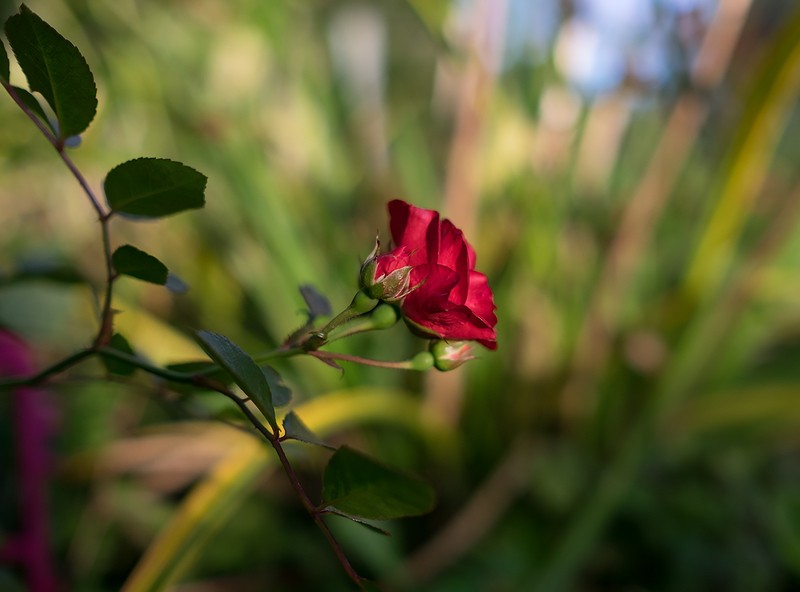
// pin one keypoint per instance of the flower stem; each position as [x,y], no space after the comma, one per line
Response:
[422,361]
[360,304]
[316,514]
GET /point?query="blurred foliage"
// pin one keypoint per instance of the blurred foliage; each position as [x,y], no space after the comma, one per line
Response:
[657,451]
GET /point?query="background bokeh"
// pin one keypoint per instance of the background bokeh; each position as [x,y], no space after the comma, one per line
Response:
[626,171]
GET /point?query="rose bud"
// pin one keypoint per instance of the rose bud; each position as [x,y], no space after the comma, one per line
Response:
[386,277]
[448,355]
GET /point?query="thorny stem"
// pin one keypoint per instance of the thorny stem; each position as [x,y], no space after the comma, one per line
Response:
[275,440]
[316,514]
[106,319]
[99,346]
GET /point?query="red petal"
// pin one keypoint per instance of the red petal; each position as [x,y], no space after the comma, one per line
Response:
[435,284]
[415,228]
[457,324]
[453,253]
[388,262]
[480,299]
[430,308]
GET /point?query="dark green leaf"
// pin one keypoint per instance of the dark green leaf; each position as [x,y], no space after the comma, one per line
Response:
[205,368]
[244,371]
[295,429]
[318,305]
[55,68]
[44,268]
[114,365]
[4,64]
[128,260]
[281,394]
[154,187]
[33,104]
[359,486]
[362,522]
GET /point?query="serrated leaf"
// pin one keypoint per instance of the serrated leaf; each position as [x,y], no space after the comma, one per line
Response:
[318,305]
[295,429]
[133,262]
[55,68]
[154,187]
[5,67]
[281,394]
[115,366]
[357,485]
[244,371]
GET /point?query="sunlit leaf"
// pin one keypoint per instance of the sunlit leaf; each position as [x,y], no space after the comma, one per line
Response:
[359,486]
[245,372]
[114,365]
[154,187]
[128,260]
[55,68]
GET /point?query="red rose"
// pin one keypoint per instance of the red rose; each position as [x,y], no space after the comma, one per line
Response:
[431,273]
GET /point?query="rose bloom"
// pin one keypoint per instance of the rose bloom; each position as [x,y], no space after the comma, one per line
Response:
[431,274]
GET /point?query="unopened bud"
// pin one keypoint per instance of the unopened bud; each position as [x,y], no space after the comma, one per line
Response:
[448,355]
[392,286]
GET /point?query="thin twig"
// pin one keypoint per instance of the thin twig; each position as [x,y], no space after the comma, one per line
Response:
[326,355]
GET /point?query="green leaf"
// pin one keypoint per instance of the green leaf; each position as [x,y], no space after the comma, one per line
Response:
[44,268]
[207,369]
[295,429]
[244,371]
[360,521]
[357,485]
[281,394]
[55,68]
[33,104]
[4,64]
[154,187]
[128,260]
[115,366]
[318,305]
